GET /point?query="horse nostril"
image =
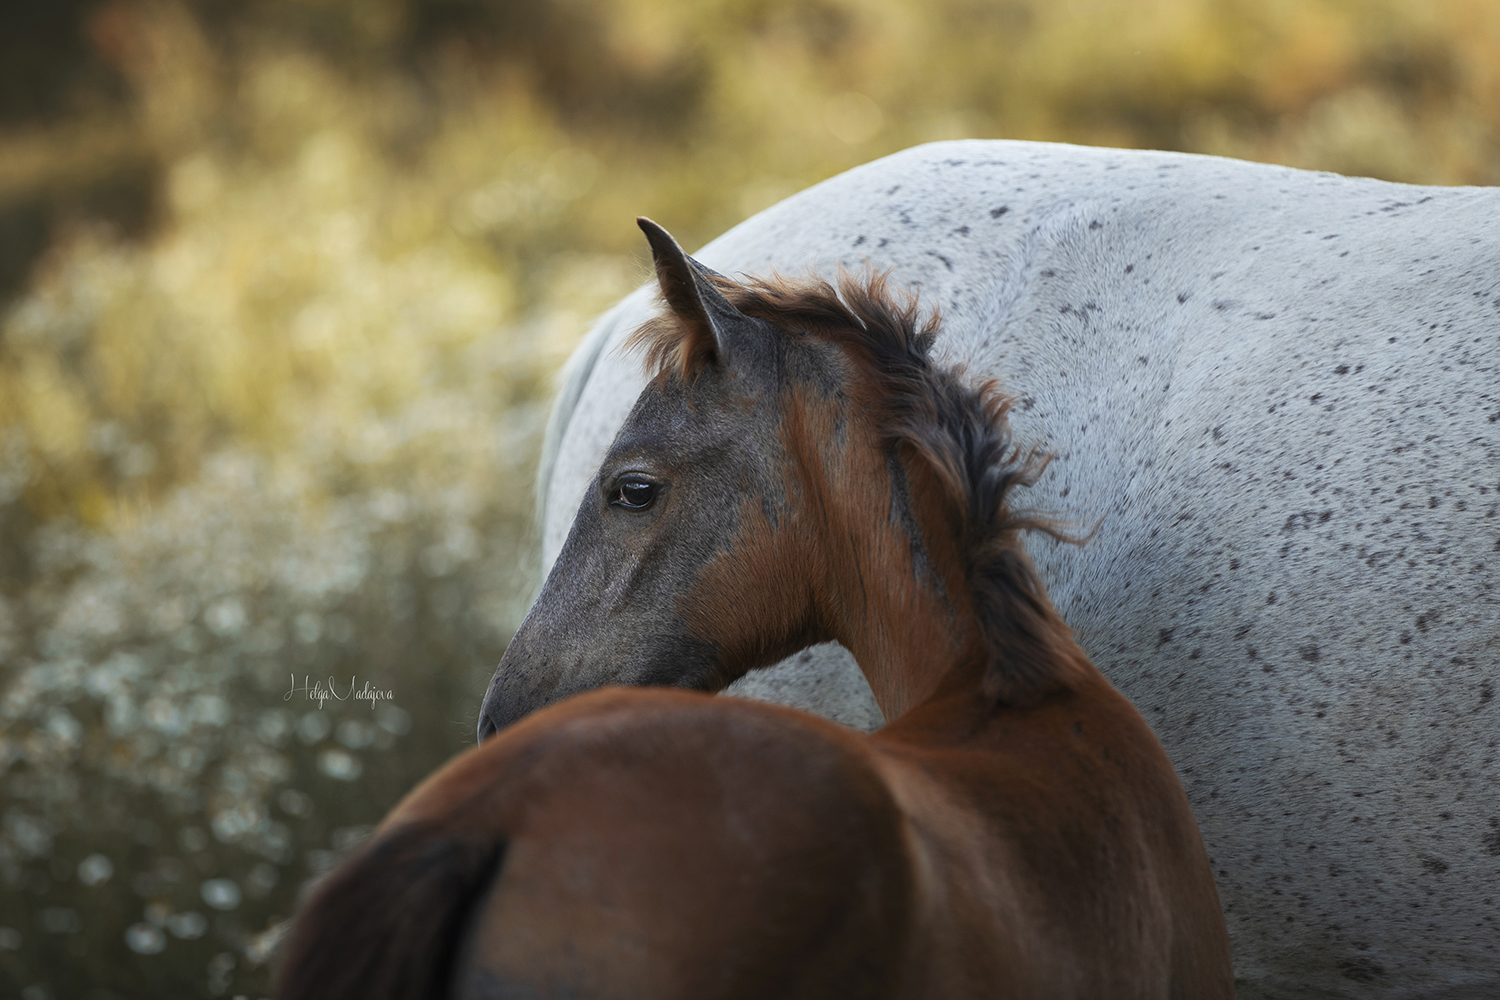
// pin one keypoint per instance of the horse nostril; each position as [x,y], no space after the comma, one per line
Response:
[487,727]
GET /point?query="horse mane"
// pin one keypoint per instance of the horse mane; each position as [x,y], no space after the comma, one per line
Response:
[956,428]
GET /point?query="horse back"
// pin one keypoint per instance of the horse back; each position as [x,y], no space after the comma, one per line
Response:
[670,844]
[644,842]
[1056,853]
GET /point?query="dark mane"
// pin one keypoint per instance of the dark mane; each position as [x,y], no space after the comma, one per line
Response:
[956,428]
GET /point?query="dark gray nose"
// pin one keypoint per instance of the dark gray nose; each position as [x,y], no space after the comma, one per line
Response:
[487,727]
[503,705]
[490,720]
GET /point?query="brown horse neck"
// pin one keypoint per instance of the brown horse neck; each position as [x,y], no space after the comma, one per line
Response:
[922,589]
[910,664]
[900,601]
[962,709]
[918,646]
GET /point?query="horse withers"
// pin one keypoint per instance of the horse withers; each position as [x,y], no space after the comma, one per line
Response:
[798,471]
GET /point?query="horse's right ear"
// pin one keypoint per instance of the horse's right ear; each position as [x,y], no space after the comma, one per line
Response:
[685,284]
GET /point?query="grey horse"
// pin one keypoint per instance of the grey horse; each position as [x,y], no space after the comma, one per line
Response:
[1274,397]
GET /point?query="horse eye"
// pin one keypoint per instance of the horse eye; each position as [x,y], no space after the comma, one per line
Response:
[634,493]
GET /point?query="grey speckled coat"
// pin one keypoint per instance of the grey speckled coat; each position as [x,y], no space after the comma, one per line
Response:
[1280,391]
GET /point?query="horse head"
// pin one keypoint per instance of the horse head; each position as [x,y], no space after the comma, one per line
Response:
[775,486]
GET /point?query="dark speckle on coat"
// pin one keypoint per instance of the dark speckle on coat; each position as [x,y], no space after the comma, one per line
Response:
[1491,840]
[1362,969]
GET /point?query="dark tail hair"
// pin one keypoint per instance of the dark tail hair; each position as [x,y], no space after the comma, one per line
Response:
[388,924]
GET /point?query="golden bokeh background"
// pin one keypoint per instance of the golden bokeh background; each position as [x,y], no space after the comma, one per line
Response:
[283,288]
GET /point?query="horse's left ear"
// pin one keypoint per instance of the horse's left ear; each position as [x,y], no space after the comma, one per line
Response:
[691,296]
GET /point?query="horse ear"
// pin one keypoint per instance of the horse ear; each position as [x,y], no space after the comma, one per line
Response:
[691,295]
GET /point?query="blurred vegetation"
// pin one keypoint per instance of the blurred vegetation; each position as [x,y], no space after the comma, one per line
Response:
[284,284]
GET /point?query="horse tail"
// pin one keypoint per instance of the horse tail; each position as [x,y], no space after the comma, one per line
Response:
[389,923]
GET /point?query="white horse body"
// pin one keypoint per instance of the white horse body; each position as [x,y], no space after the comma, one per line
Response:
[1280,391]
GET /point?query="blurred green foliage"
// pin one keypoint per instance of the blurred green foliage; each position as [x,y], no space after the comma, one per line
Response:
[340,194]
[284,284]
[346,192]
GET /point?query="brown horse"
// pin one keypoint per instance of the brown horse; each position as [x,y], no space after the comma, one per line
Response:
[799,471]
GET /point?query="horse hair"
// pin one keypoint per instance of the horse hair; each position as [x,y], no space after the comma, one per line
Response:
[956,428]
[388,924]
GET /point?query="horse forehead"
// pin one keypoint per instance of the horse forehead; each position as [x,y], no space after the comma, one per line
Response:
[676,422]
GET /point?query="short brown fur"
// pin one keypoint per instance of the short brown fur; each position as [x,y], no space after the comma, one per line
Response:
[1017,832]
